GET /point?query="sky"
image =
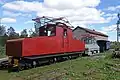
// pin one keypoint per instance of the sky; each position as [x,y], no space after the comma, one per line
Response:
[100,15]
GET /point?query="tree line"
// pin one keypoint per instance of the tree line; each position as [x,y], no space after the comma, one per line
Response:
[10,33]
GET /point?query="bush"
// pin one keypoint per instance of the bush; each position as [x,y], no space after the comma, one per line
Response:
[2,51]
[3,40]
[116,54]
[115,45]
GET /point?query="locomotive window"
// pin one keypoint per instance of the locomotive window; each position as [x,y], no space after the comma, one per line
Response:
[51,31]
[47,31]
[65,33]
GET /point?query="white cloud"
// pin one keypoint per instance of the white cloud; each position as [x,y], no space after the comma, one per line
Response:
[23,6]
[111,15]
[78,12]
[8,20]
[104,32]
[110,31]
[111,28]
[13,14]
[8,13]
[18,32]
[113,8]
[54,4]
[79,24]
[27,22]
[70,4]
[112,38]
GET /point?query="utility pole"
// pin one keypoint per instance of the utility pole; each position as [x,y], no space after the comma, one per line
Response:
[0,21]
[118,30]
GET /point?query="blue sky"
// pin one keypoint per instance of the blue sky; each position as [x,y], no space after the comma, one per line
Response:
[100,15]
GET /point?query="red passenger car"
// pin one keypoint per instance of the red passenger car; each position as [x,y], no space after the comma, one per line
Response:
[54,42]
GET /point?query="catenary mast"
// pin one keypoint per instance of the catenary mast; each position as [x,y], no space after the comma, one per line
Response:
[118,29]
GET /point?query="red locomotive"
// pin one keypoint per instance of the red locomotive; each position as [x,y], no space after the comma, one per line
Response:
[55,41]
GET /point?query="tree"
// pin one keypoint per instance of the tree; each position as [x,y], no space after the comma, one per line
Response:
[24,33]
[16,35]
[2,30]
[11,33]
[3,36]
[32,33]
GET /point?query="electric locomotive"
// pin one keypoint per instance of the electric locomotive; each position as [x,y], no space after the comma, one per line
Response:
[55,42]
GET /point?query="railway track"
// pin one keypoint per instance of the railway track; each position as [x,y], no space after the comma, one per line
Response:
[4,61]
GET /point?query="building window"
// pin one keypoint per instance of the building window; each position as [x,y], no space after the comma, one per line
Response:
[89,40]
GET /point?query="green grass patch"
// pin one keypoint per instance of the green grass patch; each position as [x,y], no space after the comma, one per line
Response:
[85,68]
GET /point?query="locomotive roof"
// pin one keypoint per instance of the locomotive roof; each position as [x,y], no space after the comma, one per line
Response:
[20,39]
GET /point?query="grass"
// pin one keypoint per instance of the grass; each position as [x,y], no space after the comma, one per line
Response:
[85,68]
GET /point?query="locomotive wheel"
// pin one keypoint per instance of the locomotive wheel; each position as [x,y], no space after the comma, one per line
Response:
[55,59]
[70,57]
[80,55]
[39,63]
[20,67]
[34,64]
[29,66]
[51,61]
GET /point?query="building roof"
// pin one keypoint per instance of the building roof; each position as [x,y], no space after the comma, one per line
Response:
[91,31]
